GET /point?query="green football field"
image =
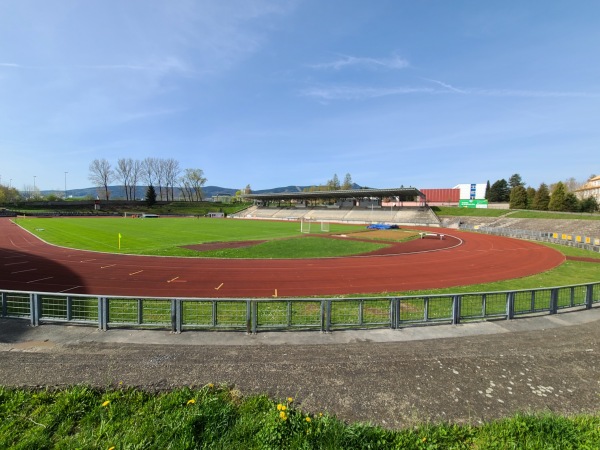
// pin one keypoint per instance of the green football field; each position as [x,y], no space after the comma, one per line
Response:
[169,236]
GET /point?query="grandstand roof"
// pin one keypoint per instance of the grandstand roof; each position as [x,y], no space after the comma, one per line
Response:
[346,193]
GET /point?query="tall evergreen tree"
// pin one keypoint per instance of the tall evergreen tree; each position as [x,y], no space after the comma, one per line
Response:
[518,197]
[530,196]
[499,191]
[487,190]
[150,196]
[514,181]
[542,198]
[557,199]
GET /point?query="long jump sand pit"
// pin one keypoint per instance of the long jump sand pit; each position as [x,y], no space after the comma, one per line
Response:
[28,264]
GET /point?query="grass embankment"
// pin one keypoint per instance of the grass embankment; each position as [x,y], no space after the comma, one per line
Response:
[214,417]
[512,213]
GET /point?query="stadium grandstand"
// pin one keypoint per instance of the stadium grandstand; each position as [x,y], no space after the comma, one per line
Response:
[398,206]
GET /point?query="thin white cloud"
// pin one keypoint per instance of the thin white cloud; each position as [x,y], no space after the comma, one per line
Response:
[345,61]
[360,93]
[339,92]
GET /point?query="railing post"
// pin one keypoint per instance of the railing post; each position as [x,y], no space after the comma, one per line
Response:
[361,313]
[325,316]
[176,315]
[103,313]
[140,311]
[69,308]
[456,309]
[589,296]
[4,304]
[34,309]
[393,317]
[554,301]
[252,317]
[510,305]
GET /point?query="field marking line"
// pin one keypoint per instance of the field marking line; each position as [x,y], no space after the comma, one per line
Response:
[70,289]
[172,279]
[106,267]
[21,271]
[14,264]
[135,273]
[41,279]
[219,286]
[88,260]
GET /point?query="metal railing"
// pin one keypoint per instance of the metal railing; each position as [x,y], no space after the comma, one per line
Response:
[324,314]
[568,239]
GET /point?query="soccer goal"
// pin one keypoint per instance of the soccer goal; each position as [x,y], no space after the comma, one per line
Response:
[324,226]
[305,225]
[132,215]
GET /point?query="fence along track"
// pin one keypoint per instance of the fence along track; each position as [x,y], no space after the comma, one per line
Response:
[325,314]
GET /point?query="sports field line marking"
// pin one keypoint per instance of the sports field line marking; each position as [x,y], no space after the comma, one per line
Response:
[87,260]
[21,271]
[40,279]
[219,286]
[110,265]
[172,279]
[14,264]
[135,273]
[70,289]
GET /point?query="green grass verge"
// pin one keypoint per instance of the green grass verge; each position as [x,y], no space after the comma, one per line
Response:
[167,237]
[219,417]
[478,212]
[514,214]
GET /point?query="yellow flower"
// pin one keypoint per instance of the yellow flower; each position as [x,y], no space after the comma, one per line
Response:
[191,401]
[290,399]
[320,414]
[283,415]
[283,407]
[106,403]
[279,406]
[112,448]
[424,439]
[307,419]
[210,385]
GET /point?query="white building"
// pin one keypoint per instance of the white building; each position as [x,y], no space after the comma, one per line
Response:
[590,189]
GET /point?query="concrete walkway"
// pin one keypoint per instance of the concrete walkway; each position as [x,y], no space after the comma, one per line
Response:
[395,378]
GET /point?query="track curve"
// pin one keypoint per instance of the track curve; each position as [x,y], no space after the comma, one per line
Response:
[29,264]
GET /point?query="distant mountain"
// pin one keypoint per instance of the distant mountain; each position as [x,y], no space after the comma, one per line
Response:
[117,192]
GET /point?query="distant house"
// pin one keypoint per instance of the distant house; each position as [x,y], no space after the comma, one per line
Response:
[590,189]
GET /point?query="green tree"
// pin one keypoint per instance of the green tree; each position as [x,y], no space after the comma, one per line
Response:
[541,198]
[487,190]
[514,181]
[530,196]
[150,196]
[518,197]
[347,182]
[499,192]
[557,199]
[588,204]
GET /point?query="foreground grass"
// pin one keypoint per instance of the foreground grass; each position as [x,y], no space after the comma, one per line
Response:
[214,417]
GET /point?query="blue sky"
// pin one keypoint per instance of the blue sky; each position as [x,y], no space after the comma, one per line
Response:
[417,93]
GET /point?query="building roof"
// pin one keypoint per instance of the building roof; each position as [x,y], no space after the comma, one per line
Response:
[345,193]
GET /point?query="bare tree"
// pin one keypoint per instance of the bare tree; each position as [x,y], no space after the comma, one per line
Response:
[172,171]
[191,184]
[159,172]
[136,172]
[101,174]
[123,174]
[149,170]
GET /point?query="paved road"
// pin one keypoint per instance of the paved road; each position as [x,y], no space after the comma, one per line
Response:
[395,378]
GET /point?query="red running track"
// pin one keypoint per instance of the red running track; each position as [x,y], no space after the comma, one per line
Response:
[28,264]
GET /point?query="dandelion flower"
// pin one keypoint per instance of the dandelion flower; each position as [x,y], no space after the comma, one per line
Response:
[191,401]
[112,448]
[106,403]
[283,407]
[210,385]
[424,439]
[283,415]
[290,399]
[307,419]
[279,406]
